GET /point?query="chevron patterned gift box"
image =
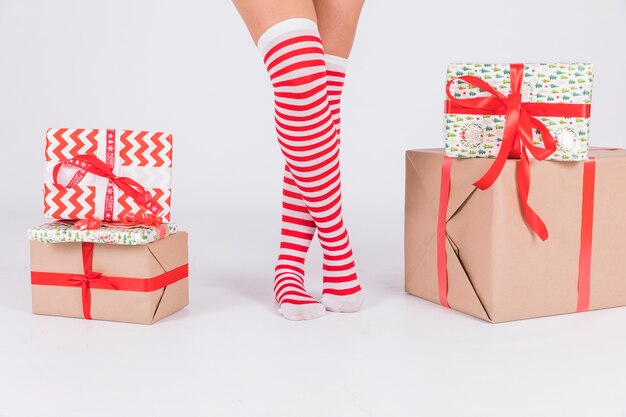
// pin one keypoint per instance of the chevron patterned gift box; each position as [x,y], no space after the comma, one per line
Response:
[107,173]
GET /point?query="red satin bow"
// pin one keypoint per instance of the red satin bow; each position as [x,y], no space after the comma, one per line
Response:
[518,132]
[89,163]
[90,276]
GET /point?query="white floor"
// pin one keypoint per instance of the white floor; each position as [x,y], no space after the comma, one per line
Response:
[230,354]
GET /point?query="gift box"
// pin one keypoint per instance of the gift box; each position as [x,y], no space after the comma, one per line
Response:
[107,173]
[472,250]
[479,96]
[130,282]
[115,234]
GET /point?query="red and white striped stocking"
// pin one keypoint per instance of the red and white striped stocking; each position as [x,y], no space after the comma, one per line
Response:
[307,97]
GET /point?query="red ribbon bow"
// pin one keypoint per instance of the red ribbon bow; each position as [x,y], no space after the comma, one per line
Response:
[89,277]
[518,132]
[89,163]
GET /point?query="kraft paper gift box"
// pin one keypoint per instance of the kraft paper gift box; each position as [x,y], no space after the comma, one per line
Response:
[107,173]
[134,282]
[473,251]
[558,94]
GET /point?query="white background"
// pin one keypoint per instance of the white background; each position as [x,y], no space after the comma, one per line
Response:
[189,67]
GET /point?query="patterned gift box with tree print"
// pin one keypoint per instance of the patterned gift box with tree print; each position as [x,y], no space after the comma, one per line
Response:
[110,234]
[480,135]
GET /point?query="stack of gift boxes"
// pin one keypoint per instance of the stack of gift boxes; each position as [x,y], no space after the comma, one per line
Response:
[111,253]
[517,217]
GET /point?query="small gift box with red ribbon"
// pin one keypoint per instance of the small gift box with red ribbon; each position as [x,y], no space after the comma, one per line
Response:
[470,249]
[550,105]
[141,278]
[107,173]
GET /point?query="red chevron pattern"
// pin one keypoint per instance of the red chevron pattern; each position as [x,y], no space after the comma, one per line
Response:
[46,193]
[143,147]
[169,152]
[78,144]
[126,147]
[128,205]
[125,208]
[48,144]
[77,206]
[149,149]
[158,161]
[91,202]
[168,205]
[62,203]
[62,144]
[56,194]
[158,195]
[135,149]
[92,138]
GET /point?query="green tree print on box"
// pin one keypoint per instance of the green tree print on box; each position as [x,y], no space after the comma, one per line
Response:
[479,136]
[118,235]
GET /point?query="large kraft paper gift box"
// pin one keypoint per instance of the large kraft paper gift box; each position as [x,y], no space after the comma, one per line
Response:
[134,282]
[472,250]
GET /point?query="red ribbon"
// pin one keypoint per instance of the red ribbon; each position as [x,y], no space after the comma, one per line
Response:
[442,217]
[518,132]
[88,279]
[91,279]
[90,163]
[586,235]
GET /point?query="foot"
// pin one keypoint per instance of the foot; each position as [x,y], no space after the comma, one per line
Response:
[302,311]
[343,303]
[295,302]
[342,290]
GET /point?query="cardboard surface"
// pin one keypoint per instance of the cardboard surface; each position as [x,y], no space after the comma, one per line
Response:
[140,261]
[498,270]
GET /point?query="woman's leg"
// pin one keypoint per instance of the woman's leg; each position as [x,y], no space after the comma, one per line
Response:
[337,21]
[260,15]
[294,57]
